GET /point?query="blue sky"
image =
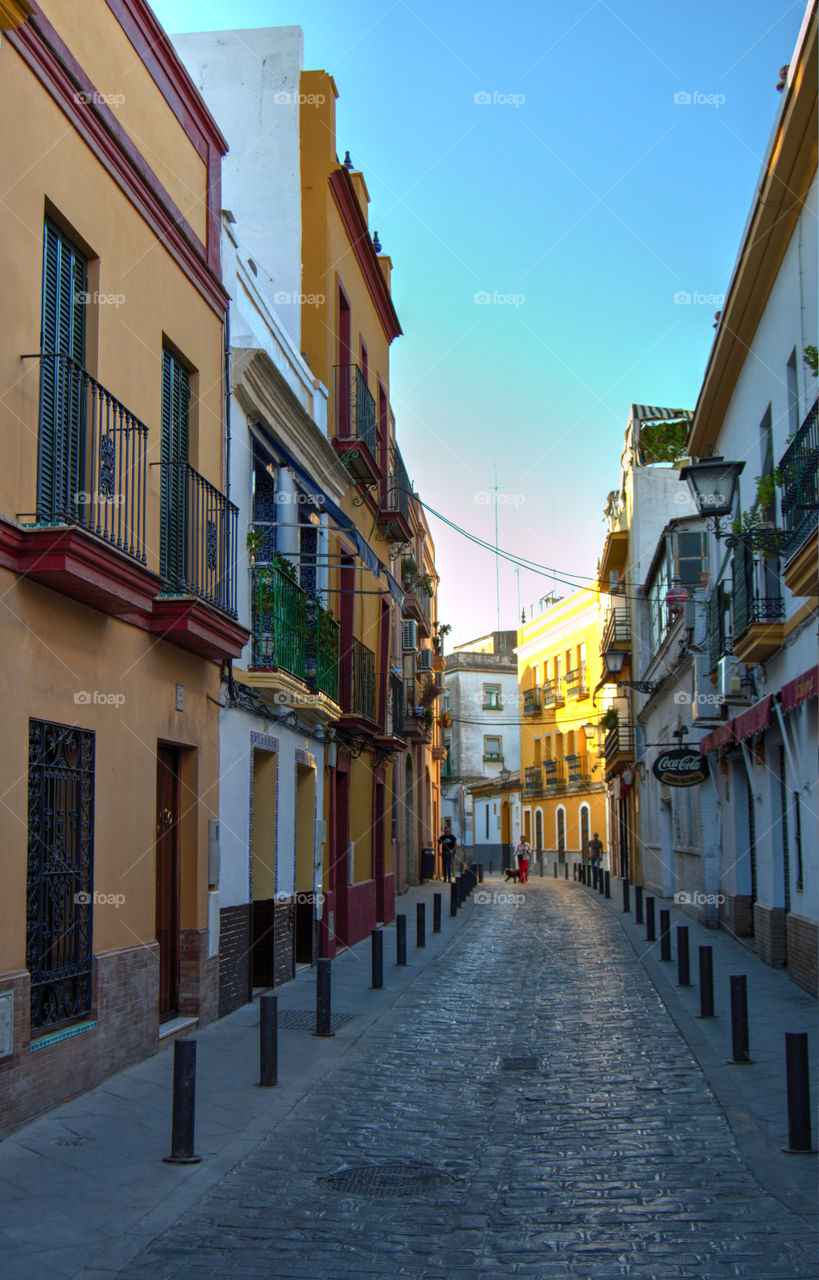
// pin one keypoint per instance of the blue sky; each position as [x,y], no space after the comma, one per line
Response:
[606,167]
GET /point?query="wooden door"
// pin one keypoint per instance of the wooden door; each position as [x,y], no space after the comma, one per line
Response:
[167,878]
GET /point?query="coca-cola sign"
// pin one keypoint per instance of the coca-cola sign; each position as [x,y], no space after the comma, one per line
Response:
[680,767]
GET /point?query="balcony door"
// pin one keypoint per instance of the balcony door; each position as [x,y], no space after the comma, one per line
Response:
[176,395]
[61,452]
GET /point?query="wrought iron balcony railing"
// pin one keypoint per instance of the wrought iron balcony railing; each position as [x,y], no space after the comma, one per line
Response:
[533,780]
[551,693]
[291,632]
[92,458]
[356,415]
[619,741]
[616,628]
[358,679]
[398,487]
[553,776]
[576,686]
[800,482]
[198,538]
[757,592]
[531,701]
[577,772]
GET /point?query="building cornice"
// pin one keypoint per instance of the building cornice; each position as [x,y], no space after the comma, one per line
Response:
[341,185]
[789,171]
[55,67]
[262,392]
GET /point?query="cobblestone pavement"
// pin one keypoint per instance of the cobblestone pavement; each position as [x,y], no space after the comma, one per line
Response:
[549,1125]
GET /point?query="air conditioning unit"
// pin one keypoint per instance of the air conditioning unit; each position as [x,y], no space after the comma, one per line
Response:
[424,659]
[409,634]
[729,681]
[707,706]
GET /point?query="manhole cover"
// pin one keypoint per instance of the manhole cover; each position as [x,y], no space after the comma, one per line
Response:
[379,1180]
[525,1062]
[305,1020]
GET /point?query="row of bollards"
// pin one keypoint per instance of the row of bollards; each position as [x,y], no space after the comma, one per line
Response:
[184,1050]
[796,1043]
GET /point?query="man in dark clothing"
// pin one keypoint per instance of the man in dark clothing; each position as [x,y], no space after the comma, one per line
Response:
[447,844]
[596,855]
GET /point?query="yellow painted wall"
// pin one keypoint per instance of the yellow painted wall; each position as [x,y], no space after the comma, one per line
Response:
[113,66]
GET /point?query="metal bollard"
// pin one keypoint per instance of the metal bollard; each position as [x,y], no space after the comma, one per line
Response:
[740,1051]
[601,881]
[436,913]
[377,938]
[796,1065]
[626,895]
[607,889]
[683,967]
[565,870]
[638,904]
[420,924]
[453,899]
[480,873]
[665,935]
[400,939]
[554,870]
[184,1103]
[706,982]
[323,998]
[490,868]
[651,926]
[268,1040]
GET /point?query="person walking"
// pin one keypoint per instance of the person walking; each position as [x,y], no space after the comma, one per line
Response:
[596,856]
[522,854]
[447,845]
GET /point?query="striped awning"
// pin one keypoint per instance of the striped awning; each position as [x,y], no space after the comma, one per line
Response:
[656,413]
[719,738]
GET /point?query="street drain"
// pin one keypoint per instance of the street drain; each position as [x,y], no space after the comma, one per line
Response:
[305,1020]
[525,1062]
[380,1180]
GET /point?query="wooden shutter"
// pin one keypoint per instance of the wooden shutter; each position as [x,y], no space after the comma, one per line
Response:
[60,459]
[175,447]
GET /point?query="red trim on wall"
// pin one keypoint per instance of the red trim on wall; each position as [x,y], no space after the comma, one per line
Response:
[51,61]
[341,185]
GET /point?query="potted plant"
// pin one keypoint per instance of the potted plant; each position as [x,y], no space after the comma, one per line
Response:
[610,719]
[445,720]
[441,629]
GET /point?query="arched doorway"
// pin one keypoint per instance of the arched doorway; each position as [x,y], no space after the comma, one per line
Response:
[585,821]
[506,834]
[538,831]
[560,829]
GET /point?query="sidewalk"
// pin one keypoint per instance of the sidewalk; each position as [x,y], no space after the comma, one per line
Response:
[84,1188]
[753,1095]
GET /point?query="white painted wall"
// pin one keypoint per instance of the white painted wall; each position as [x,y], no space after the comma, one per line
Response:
[250,80]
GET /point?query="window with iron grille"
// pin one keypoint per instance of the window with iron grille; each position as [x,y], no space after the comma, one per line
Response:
[61,463]
[176,397]
[60,872]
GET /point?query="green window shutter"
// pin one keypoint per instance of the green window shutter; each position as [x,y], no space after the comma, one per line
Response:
[175,446]
[61,461]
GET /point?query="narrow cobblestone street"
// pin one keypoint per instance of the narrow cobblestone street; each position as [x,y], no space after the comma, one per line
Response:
[526,1108]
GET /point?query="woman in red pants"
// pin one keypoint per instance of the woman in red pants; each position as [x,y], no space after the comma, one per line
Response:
[522,854]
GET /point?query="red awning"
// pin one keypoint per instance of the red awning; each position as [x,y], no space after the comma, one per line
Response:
[799,690]
[719,738]
[754,720]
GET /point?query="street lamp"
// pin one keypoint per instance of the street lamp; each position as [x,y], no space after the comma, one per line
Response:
[614,660]
[713,484]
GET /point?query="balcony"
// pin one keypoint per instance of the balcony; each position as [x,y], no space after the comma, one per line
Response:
[533,780]
[577,771]
[551,694]
[618,747]
[88,539]
[418,720]
[196,608]
[800,501]
[356,438]
[616,629]
[293,635]
[358,694]
[576,683]
[394,514]
[531,702]
[554,779]
[417,605]
[758,606]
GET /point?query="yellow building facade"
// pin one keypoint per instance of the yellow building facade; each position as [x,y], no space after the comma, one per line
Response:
[563,799]
[117,546]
